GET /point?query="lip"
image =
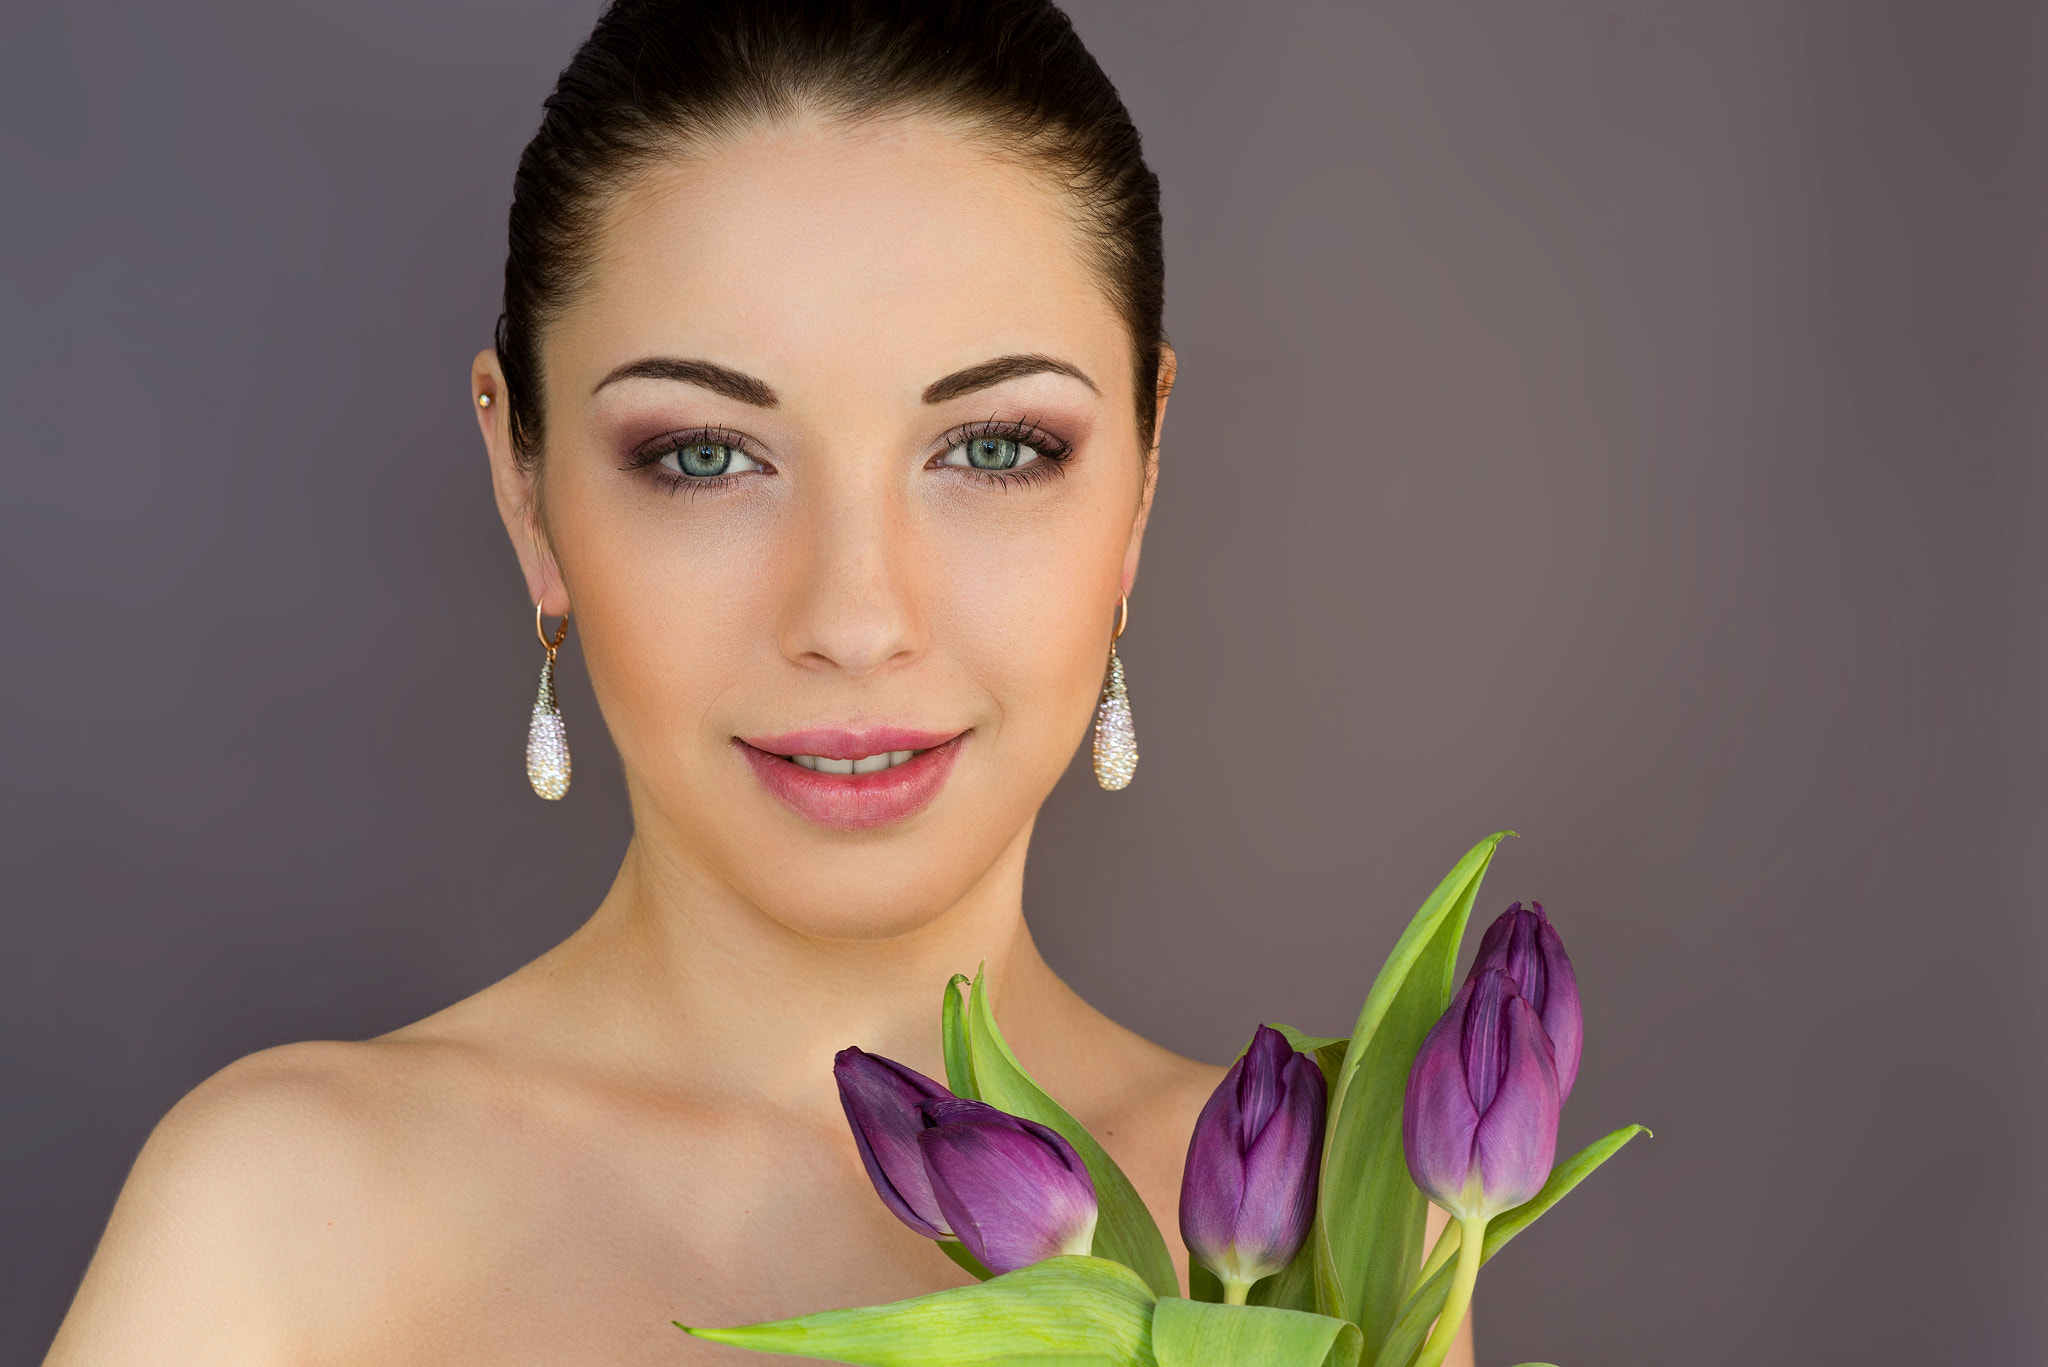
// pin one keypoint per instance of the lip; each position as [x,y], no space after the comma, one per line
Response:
[853,802]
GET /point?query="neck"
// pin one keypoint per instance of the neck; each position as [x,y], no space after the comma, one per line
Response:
[704,988]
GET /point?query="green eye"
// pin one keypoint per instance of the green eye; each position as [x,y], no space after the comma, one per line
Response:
[992,453]
[704,459]
[708,460]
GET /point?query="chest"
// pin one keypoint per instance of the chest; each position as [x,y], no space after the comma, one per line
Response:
[582,1245]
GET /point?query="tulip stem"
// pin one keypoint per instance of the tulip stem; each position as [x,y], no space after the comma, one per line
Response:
[1235,1292]
[1446,1245]
[1471,1249]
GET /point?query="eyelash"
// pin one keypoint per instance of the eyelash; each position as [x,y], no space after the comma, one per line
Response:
[648,459]
[1053,454]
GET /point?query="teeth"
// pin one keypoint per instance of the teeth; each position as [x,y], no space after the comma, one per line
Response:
[866,764]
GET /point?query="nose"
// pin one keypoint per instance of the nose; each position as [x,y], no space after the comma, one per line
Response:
[853,604]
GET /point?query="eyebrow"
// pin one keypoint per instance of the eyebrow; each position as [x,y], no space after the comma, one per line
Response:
[733,384]
[995,372]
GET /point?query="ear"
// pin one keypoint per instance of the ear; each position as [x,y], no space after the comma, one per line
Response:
[514,486]
[1169,367]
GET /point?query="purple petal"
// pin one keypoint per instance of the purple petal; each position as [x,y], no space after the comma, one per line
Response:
[1523,944]
[1559,1006]
[1212,1183]
[1495,945]
[1516,1140]
[1280,1172]
[1012,1190]
[881,1097]
[1258,1081]
[1438,1120]
[1484,1035]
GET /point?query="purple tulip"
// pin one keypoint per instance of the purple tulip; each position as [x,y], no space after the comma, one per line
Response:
[1249,1191]
[881,1098]
[1525,946]
[1480,1122]
[1012,1190]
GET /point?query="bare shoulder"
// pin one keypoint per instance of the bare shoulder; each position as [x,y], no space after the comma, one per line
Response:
[269,1180]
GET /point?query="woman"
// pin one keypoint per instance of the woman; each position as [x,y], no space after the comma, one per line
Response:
[826,401]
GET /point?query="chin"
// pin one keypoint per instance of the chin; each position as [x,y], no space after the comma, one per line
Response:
[830,886]
[863,919]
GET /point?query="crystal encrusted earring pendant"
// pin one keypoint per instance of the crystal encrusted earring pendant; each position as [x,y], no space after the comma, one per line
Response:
[1116,740]
[547,744]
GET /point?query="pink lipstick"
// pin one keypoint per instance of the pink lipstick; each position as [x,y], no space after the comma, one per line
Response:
[854,780]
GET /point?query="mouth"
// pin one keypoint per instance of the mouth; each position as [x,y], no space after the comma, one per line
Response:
[866,764]
[854,780]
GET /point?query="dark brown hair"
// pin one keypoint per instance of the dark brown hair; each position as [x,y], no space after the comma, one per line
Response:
[658,77]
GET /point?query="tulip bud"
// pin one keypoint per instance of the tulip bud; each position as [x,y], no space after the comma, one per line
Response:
[1249,1191]
[1525,946]
[1012,1190]
[881,1098]
[1480,1121]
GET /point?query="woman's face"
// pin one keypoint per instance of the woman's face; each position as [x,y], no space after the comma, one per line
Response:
[840,464]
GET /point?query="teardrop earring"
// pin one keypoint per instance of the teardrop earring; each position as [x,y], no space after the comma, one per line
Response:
[1116,741]
[547,744]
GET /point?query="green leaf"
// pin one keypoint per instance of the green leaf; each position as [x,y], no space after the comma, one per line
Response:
[1124,1230]
[1192,1334]
[1422,1307]
[1204,1285]
[953,1039]
[1367,1238]
[1070,1311]
[957,1251]
[1301,1285]
[1301,1041]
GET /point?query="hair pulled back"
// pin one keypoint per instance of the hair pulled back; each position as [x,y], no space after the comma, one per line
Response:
[658,78]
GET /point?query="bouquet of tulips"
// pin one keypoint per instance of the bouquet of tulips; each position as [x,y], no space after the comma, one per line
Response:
[1304,1196]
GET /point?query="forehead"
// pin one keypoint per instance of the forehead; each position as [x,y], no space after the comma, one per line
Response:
[881,253]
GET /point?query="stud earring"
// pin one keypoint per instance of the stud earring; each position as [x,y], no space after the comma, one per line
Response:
[1116,742]
[547,744]
[483,401]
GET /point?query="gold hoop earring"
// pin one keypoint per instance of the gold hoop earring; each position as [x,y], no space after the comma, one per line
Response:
[1116,740]
[547,744]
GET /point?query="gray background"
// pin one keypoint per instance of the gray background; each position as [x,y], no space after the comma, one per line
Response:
[1620,422]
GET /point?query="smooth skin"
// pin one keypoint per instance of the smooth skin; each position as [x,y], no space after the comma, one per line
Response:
[641,1126]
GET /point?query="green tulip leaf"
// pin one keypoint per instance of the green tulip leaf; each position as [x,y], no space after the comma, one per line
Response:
[1426,1302]
[957,1251]
[1070,1311]
[1204,1285]
[1193,1334]
[1124,1229]
[953,1039]
[1301,1285]
[1367,1238]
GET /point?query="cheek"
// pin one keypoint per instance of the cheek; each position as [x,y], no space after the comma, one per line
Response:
[671,618]
[1026,607]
